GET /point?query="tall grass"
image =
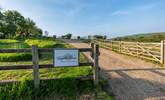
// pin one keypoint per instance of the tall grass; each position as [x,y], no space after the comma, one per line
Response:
[60,84]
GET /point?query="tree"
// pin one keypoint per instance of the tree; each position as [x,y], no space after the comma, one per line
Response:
[54,36]
[105,37]
[98,37]
[89,37]
[46,33]
[67,36]
[78,37]
[13,24]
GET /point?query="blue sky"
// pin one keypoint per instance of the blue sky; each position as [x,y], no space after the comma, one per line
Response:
[87,17]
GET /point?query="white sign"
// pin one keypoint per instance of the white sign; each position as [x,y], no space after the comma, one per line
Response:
[66,57]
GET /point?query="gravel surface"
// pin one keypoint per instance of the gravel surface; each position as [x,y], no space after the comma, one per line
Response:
[129,78]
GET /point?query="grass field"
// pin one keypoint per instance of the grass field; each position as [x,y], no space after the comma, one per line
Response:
[60,83]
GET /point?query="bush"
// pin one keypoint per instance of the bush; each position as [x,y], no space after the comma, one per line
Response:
[11,57]
[44,43]
[8,41]
[14,45]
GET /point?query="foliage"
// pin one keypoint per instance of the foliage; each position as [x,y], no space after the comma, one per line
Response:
[67,36]
[44,43]
[54,36]
[62,87]
[61,84]
[15,57]
[14,25]
[78,37]
[150,37]
[8,41]
[99,37]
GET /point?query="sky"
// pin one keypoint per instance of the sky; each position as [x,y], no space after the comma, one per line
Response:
[88,17]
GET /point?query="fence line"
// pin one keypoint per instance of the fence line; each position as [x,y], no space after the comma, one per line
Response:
[94,50]
[150,51]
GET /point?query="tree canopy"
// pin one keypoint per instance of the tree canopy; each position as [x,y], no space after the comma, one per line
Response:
[67,36]
[14,25]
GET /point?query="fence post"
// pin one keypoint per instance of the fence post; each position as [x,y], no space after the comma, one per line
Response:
[96,65]
[92,52]
[162,52]
[120,46]
[111,45]
[35,66]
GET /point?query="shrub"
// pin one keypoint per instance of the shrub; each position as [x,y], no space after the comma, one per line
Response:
[8,41]
[11,57]
[14,45]
[44,43]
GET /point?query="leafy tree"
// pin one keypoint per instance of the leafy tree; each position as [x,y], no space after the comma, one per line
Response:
[98,36]
[67,36]
[78,37]
[54,36]
[46,33]
[89,36]
[105,37]
[13,24]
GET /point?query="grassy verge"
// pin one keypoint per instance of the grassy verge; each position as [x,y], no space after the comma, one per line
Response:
[59,89]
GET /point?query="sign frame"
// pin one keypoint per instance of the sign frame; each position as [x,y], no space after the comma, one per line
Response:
[66,49]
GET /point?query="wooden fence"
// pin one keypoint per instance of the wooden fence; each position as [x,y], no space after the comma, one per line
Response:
[150,51]
[94,50]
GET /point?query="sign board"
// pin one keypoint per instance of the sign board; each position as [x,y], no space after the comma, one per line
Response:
[66,57]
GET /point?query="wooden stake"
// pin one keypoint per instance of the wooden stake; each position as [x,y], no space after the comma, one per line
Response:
[96,65]
[162,52]
[35,66]
[120,46]
[92,53]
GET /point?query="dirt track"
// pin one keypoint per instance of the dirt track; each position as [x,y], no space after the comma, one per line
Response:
[130,78]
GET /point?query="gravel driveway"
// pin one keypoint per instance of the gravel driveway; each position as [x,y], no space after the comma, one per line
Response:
[130,78]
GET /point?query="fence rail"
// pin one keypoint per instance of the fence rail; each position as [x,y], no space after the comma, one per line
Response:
[39,49]
[150,51]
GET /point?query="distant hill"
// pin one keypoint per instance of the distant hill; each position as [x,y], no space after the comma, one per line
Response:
[148,37]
